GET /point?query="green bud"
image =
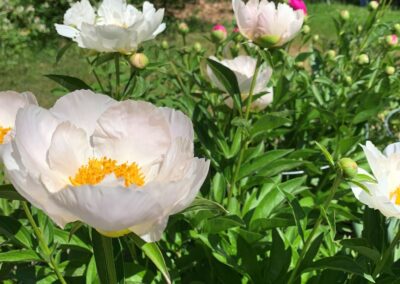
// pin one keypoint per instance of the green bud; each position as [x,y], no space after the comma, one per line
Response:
[316,37]
[359,28]
[218,36]
[349,167]
[197,47]
[238,37]
[267,40]
[348,79]
[344,15]
[306,29]
[331,54]
[235,48]
[373,5]
[164,44]
[363,59]
[397,28]
[390,70]
[183,28]
[139,60]
[300,65]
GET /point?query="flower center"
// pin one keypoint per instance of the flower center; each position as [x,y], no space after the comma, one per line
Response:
[396,193]
[3,133]
[98,169]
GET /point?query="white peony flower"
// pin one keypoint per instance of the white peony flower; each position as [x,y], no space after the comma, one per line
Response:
[385,194]
[10,103]
[117,166]
[266,24]
[115,27]
[244,67]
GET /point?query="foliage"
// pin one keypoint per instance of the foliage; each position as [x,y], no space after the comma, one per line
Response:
[275,205]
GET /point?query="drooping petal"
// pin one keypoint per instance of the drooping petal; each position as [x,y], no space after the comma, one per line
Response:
[82,108]
[67,31]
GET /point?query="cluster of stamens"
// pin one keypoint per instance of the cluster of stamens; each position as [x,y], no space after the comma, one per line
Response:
[3,133]
[98,169]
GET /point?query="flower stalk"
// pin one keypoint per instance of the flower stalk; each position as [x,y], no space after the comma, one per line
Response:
[104,257]
[382,262]
[39,235]
[307,244]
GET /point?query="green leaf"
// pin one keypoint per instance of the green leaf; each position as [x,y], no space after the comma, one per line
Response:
[340,263]
[68,82]
[362,247]
[62,51]
[15,231]
[19,256]
[221,223]
[280,258]
[200,204]
[104,257]
[268,122]
[152,251]
[312,251]
[91,276]
[326,153]
[8,192]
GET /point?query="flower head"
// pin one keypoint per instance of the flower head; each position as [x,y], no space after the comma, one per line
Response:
[392,40]
[298,5]
[244,67]
[117,166]
[219,33]
[266,24]
[384,195]
[10,103]
[114,27]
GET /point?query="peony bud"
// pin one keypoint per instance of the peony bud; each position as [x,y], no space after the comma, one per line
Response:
[363,59]
[348,80]
[359,28]
[345,15]
[349,167]
[300,65]
[397,28]
[237,35]
[218,33]
[298,5]
[373,5]
[316,37]
[164,44]
[392,40]
[390,70]
[139,60]
[197,47]
[183,28]
[306,29]
[235,49]
[331,54]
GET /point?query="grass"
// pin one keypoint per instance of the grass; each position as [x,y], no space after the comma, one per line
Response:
[25,71]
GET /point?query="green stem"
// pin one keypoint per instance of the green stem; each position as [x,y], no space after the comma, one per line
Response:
[382,262]
[318,222]
[117,76]
[104,257]
[245,143]
[42,242]
[96,76]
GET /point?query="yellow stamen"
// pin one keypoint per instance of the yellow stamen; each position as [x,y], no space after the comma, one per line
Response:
[397,194]
[3,133]
[98,169]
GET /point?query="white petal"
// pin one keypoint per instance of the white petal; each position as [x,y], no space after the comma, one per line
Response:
[80,12]
[376,160]
[69,150]
[34,129]
[152,232]
[10,103]
[392,149]
[133,131]
[180,125]
[66,31]
[82,108]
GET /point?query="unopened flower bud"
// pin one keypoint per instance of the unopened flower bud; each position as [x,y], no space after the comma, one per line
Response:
[316,37]
[197,47]
[348,79]
[345,15]
[392,40]
[300,65]
[373,5]
[349,167]
[397,28]
[164,44]
[390,70]
[183,28]
[235,49]
[359,28]
[218,33]
[238,36]
[363,59]
[139,60]
[306,29]
[331,54]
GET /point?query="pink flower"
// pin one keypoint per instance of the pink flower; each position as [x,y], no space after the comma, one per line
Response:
[298,5]
[219,27]
[219,33]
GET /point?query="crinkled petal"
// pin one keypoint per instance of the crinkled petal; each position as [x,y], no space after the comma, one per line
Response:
[10,103]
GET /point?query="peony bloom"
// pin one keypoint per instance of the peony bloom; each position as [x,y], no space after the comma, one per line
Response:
[117,166]
[298,5]
[244,67]
[10,103]
[266,24]
[384,195]
[114,27]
